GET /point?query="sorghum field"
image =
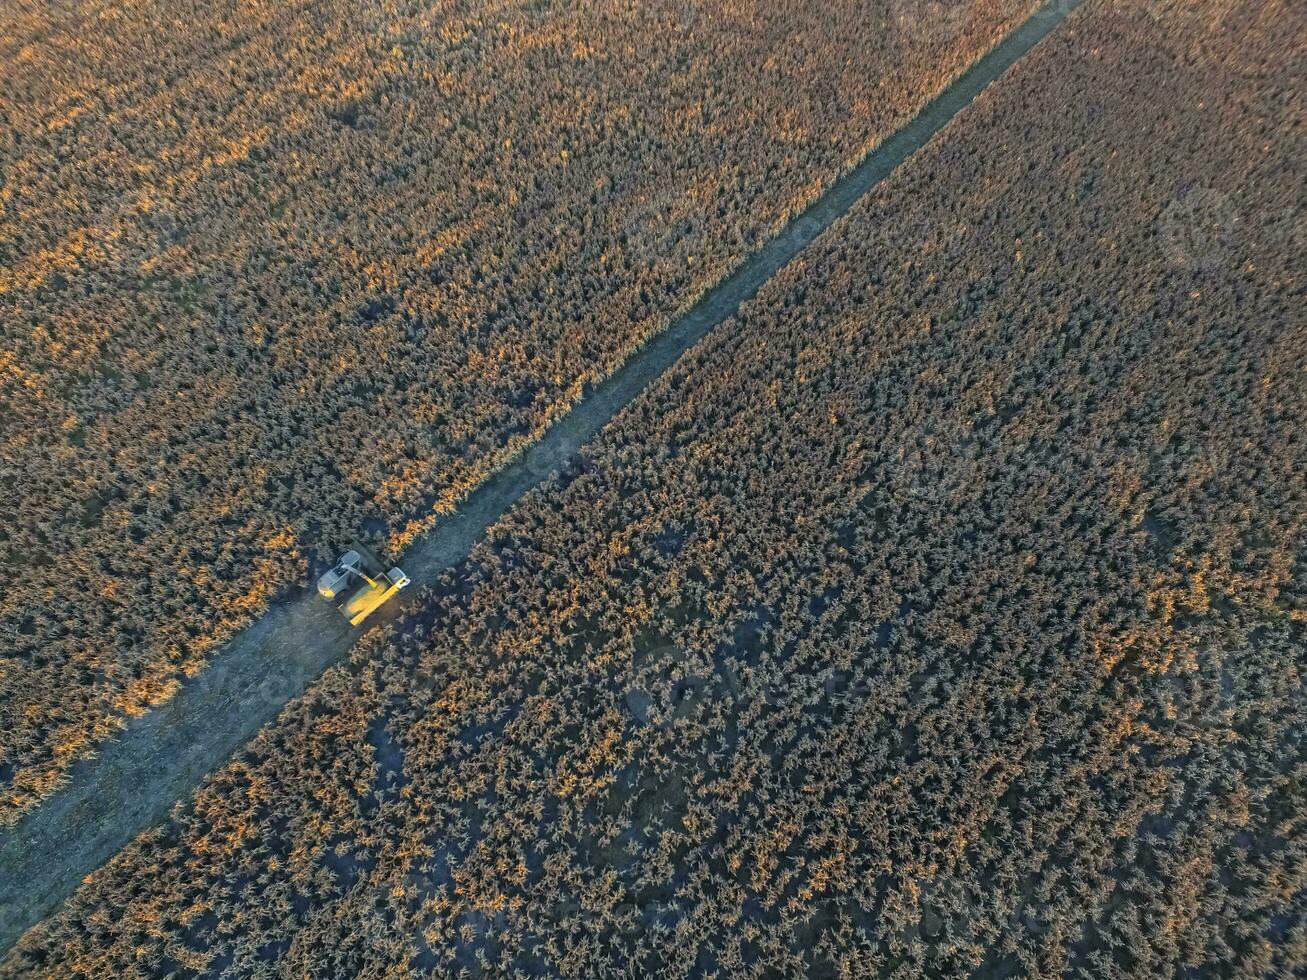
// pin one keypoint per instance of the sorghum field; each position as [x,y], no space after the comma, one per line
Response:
[278,275]
[941,615]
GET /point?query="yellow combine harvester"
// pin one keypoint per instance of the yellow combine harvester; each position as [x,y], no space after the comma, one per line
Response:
[374,588]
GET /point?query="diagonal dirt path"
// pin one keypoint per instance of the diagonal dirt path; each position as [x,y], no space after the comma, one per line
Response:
[134,781]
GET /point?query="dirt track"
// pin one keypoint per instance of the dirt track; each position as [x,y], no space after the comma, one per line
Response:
[161,757]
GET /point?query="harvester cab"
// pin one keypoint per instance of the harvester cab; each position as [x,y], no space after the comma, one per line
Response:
[358,583]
